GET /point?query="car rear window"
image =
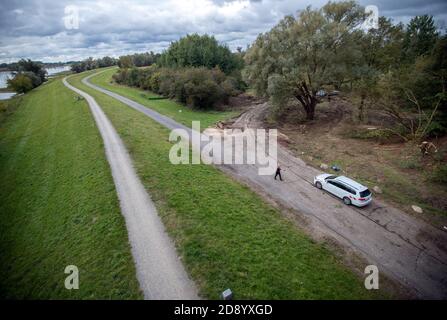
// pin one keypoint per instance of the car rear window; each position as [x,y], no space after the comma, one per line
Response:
[365,193]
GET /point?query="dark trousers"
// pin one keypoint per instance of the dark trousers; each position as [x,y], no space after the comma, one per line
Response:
[278,173]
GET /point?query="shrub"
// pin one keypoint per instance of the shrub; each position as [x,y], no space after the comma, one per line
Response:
[197,87]
[21,83]
[380,135]
[201,93]
[154,82]
[35,79]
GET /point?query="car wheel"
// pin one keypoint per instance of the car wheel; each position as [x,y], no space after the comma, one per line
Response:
[347,201]
[318,185]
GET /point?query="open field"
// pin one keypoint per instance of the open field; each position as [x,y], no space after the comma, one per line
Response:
[168,107]
[227,236]
[58,204]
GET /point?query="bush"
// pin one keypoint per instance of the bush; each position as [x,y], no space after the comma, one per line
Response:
[379,135]
[436,129]
[33,69]
[35,80]
[154,82]
[90,64]
[197,87]
[200,89]
[21,83]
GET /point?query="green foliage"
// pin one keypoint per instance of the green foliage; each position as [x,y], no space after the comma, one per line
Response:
[200,89]
[29,74]
[413,94]
[90,64]
[200,51]
[401,71]
[106,62]
[379,135]
[138,60]
[301,55]
[197,87]
[166,107]
[125,62]
[382,47]
[420,37]
[437,129]
[37,68]
[381,50]
[21,83]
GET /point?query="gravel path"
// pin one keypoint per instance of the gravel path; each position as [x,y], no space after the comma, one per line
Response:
[405,249]
[159,270]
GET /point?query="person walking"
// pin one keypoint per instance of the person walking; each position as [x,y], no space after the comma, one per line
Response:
[278,173]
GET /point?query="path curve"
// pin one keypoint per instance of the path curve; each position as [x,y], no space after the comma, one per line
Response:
[407,250]
[159,270]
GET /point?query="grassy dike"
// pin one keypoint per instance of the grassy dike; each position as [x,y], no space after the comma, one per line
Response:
[168,107]
[227,235]
[58,204]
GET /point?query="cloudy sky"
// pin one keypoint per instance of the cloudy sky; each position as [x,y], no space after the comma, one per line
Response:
[48,30]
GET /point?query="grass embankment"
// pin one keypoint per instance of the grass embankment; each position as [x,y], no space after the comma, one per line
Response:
[58,204]
[167,107]
[226,234]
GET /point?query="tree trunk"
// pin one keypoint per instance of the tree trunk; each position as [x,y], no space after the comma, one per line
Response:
[310,110]
[308,100]
[361,107]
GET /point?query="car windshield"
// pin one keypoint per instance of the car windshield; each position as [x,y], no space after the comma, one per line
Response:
[365,193]
[330,177]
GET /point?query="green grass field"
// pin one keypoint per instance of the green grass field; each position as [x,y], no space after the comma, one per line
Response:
[226,234]
[170,108]
[58,204]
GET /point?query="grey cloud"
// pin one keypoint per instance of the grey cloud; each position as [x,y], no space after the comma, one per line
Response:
[35,29]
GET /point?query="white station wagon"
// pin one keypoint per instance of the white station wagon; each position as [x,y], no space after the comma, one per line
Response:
[347,189]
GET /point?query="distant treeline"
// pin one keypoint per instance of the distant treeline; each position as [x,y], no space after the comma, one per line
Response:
[90,64]
[138,60]
[127,61]
[13,66]
[196,70]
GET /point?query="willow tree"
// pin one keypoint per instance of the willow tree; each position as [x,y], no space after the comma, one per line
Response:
[302,54]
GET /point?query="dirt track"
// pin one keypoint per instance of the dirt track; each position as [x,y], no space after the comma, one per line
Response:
[405,249]
[159,271]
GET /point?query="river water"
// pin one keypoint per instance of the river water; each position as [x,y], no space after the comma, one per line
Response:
[5,75]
